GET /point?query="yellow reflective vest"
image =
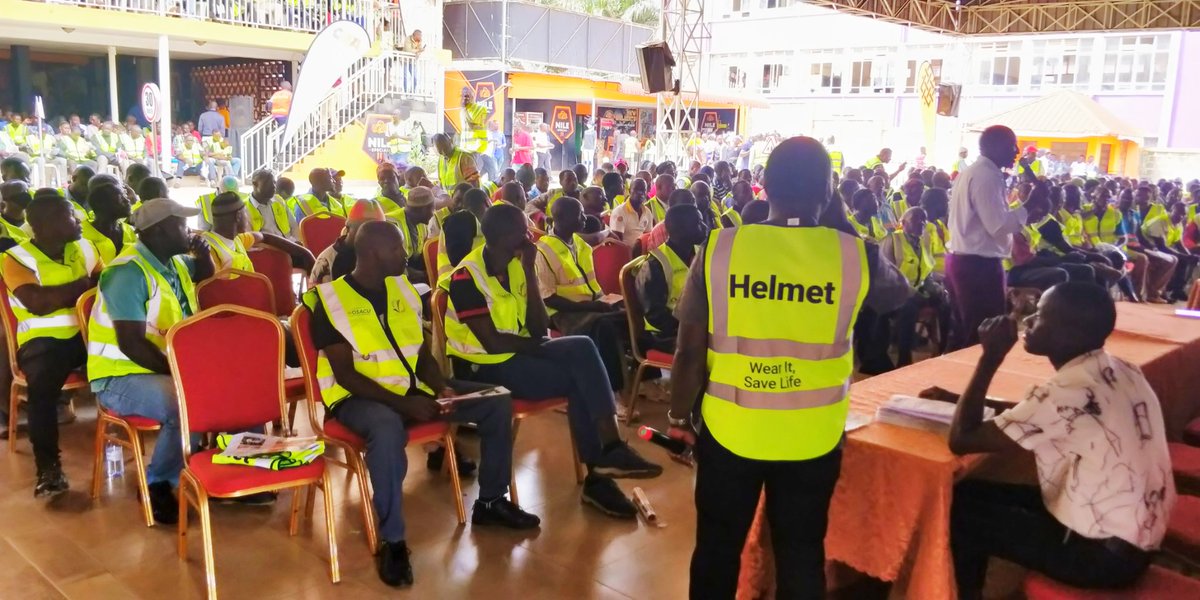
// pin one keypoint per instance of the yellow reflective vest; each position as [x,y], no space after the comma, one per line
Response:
[675,271]
[915,266]
[104,246]
[229,254]
[782,306]
[939,237]
[163,309]
[874,230]
[310,205]
[574,272]
[474,134]
[1104,228]
[279,210]
[79,260]
[393,367]
[414,245]
[1072,226]
[449,173]
[506,308]
[657,207]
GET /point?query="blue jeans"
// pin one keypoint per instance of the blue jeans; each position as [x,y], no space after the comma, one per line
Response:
[384,431]
[567,366]
[151,396]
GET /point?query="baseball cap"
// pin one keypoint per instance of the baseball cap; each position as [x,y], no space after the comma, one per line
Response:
[153,212]
[363,211]
[420,196]
[229,183]
[337,173]
[1030,148]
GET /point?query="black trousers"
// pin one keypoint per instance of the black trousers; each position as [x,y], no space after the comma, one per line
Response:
[47,363]
[607,331]
[1011,522]
[727,493]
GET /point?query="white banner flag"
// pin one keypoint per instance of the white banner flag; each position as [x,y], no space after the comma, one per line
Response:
[332,52]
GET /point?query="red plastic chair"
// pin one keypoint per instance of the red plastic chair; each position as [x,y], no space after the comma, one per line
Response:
[352,446]
[430,252]
[635,316]
[1185,462]
[77,380]
[132,426]
[1157,584]
[240,288]
[223,387]
[1191,433]
[319,231]
[608,259]
[1183,532]
[277,266]
[522,408]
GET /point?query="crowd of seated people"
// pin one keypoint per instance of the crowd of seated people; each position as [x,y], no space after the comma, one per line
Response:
[515,262]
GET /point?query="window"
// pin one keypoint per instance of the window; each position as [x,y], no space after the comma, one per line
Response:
[1061,63]
[735,5]
[860,76]
[912,67]
[775,3]
[826,77]
[773,75]
[737,78]
[998,65]
[1135,62]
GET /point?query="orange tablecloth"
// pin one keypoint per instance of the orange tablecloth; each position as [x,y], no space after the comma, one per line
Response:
[890,516]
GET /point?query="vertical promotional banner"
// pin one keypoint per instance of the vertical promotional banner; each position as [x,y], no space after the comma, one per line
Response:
[329,57]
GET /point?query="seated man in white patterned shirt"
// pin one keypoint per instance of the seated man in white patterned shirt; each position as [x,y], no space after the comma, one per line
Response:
[1096,431]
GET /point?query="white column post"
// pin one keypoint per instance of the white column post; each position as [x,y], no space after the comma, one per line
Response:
[113,108]
[164,86]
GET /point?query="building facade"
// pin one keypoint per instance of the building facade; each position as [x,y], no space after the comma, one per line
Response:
[830,74]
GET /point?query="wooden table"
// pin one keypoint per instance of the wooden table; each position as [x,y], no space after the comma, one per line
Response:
[890,515]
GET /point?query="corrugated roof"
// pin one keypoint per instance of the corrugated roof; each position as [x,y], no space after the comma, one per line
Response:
[1065,114]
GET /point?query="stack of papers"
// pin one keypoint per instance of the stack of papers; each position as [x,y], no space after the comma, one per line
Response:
[920,413]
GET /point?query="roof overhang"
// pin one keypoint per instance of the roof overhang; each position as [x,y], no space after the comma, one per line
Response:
[1014,17]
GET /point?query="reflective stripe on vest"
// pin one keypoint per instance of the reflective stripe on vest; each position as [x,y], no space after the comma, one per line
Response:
[231,254]
[876,231]
[1103,229]
[79,260]
[674,271]
[656,206]
[783,302]
[574,273]
[278,210]
[311,205]
[163,309]
[506,309]
[1072,226]
[914,267]
[108,145]
[939,236]
[474,135]
[734,216]
[448,170]
[105,247]
[444,268]
[374,356]
[75,149]
[414,245]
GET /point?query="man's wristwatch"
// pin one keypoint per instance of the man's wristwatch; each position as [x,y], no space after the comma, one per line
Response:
[673,422]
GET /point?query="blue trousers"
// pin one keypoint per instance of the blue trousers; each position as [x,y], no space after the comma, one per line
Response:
[568,366]
[151,396]
[387,463]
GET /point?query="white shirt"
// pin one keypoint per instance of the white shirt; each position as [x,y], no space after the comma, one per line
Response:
[629,224]
[1096,430]
[980,221]
[268,218]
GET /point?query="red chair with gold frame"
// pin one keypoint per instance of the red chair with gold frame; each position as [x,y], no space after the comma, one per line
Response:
[319,231]
[635,316]
[132,426]
[607,260]
[254,291]
[76,381]
[352,446]
[430,252]
[237,387]
[522,408]
[277,266]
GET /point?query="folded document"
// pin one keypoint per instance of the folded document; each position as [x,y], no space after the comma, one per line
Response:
[920,413]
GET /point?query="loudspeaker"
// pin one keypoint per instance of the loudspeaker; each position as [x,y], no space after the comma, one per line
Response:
[241,112]
[656,63]
[948,95]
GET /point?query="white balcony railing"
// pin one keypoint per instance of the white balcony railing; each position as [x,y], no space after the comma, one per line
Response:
[299,15]
[370,80]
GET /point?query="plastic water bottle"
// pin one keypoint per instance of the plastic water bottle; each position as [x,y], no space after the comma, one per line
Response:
[114,460]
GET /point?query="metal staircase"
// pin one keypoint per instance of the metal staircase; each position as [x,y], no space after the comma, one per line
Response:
[390,75]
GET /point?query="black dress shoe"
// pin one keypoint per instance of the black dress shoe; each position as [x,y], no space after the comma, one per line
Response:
[393,565]
[164,504]
[504,513]
[433,462]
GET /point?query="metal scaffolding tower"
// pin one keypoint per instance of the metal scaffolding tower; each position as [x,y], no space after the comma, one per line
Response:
[687,35]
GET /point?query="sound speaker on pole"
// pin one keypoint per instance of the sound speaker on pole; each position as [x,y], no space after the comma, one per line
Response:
[948,95]
[656,64]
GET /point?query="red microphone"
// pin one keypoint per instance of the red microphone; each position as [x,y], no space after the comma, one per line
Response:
[662,440]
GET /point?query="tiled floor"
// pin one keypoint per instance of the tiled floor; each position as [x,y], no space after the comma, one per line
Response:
[74,549]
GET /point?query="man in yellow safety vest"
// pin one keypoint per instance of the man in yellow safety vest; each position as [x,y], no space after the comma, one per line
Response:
[454,165]
[765,326]
[661,277]
[44,277]
[378,377]
[231,236]
[321,198]
[268,211]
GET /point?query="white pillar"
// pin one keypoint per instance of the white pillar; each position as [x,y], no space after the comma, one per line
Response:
[113,108]
[164,86]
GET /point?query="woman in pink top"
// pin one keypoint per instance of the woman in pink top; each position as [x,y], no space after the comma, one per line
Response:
[522,146]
